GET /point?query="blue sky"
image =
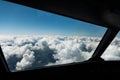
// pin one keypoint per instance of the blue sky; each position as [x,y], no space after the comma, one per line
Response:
[18,19]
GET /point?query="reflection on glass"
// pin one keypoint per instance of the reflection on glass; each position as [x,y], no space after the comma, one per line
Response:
[32,38]
[113,50]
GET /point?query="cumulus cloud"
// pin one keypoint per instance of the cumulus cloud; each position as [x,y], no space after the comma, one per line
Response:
[26,61]
[26,52]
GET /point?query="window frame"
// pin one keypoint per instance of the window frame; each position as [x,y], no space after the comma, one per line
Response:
[104,43]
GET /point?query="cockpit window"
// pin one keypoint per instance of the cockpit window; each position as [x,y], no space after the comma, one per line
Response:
[32,38]
[113,50]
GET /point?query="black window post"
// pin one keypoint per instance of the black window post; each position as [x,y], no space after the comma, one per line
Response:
[104,43]
[3,64]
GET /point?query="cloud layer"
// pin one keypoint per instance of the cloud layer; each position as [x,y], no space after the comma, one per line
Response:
[24,52]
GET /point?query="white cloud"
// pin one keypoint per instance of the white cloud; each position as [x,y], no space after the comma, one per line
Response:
[27,60]
[38,51]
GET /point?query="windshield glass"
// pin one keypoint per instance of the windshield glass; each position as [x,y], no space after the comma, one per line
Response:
[113,50]
[33,38]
